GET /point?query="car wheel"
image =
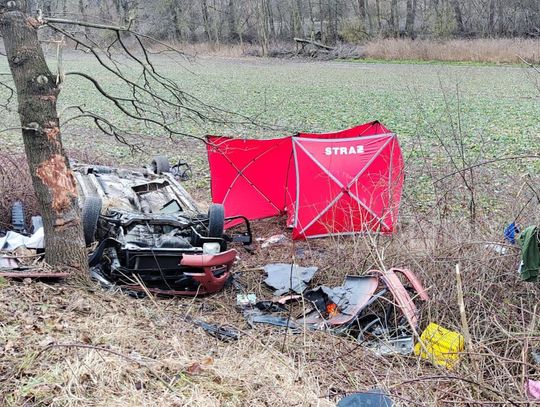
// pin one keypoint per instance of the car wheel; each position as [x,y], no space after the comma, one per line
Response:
[90,216]
[216,220]
[160,164]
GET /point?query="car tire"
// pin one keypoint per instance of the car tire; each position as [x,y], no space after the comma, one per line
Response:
[160,164]
[216,220]
[90,216]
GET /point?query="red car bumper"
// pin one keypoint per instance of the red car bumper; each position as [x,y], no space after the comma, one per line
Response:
[209,271]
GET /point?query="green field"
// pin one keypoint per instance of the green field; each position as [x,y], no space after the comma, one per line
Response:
[499,103]
[497,109]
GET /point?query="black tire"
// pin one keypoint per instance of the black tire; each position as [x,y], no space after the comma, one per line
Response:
[160,164]
[90,216]
[216,220]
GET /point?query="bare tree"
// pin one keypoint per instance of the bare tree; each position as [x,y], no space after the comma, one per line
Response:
[37,92]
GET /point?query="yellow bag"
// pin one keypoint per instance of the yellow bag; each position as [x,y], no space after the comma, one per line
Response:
[441,346]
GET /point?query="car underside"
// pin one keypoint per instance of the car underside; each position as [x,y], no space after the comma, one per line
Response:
[148,234]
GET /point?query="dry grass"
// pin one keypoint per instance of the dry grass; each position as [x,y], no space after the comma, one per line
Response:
[66,346]
[72,345]
[496,51]
[478,50]
[215,50]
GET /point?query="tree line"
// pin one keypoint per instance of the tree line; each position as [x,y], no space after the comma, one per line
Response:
[265,22]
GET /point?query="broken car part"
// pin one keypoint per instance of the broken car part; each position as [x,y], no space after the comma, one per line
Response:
[225,334]
[391,346]
[372,398]
[377,308]
[358,290]
[245,300]
[17,217]
[256,317]
[13,240]
[287,277]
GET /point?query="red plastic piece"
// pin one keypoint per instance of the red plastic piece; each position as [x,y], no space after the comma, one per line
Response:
[208,282]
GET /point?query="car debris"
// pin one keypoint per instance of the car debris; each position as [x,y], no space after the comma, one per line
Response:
[145,229]
[272,240]
[12,240]
[372,398]
[396,346]
[21,252]
[223,333]
[243,300]
[377,309]
[18,236]
[535,356]
[17,217]
[288,277]
[256,317]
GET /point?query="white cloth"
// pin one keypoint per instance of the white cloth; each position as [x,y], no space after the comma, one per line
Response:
[12,240]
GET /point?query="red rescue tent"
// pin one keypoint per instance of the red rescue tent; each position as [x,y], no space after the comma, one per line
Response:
[335,183]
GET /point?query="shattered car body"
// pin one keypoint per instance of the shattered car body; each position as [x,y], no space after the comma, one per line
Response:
[379,309]
[151,234]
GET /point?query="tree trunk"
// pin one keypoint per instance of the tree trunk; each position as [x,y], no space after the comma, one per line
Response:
[300,17]
[500,18]
[394,18]
[491,18]
[231,19]
[459,18]
[270,19]
[262,27]
[378,7]
[175,10]
[362,10]
[369,23]
[311,20]
[322,36]
[52,178]
[411,14]
[206,20]
[82,11]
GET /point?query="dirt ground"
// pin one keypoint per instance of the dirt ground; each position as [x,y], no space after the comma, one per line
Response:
[73,344]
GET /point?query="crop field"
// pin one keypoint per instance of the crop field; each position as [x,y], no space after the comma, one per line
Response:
[488,112]
[470,136]
[498,104]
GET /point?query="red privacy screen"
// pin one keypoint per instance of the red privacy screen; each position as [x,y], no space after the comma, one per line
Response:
[335,183]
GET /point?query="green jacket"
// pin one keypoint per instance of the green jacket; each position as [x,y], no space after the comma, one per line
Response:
[530,254]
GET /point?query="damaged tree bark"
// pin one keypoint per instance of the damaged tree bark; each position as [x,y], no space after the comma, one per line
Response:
[37,92]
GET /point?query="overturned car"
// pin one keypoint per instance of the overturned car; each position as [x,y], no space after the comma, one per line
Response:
[150,234]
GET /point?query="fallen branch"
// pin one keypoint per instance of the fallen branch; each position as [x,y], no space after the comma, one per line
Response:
[317,44]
